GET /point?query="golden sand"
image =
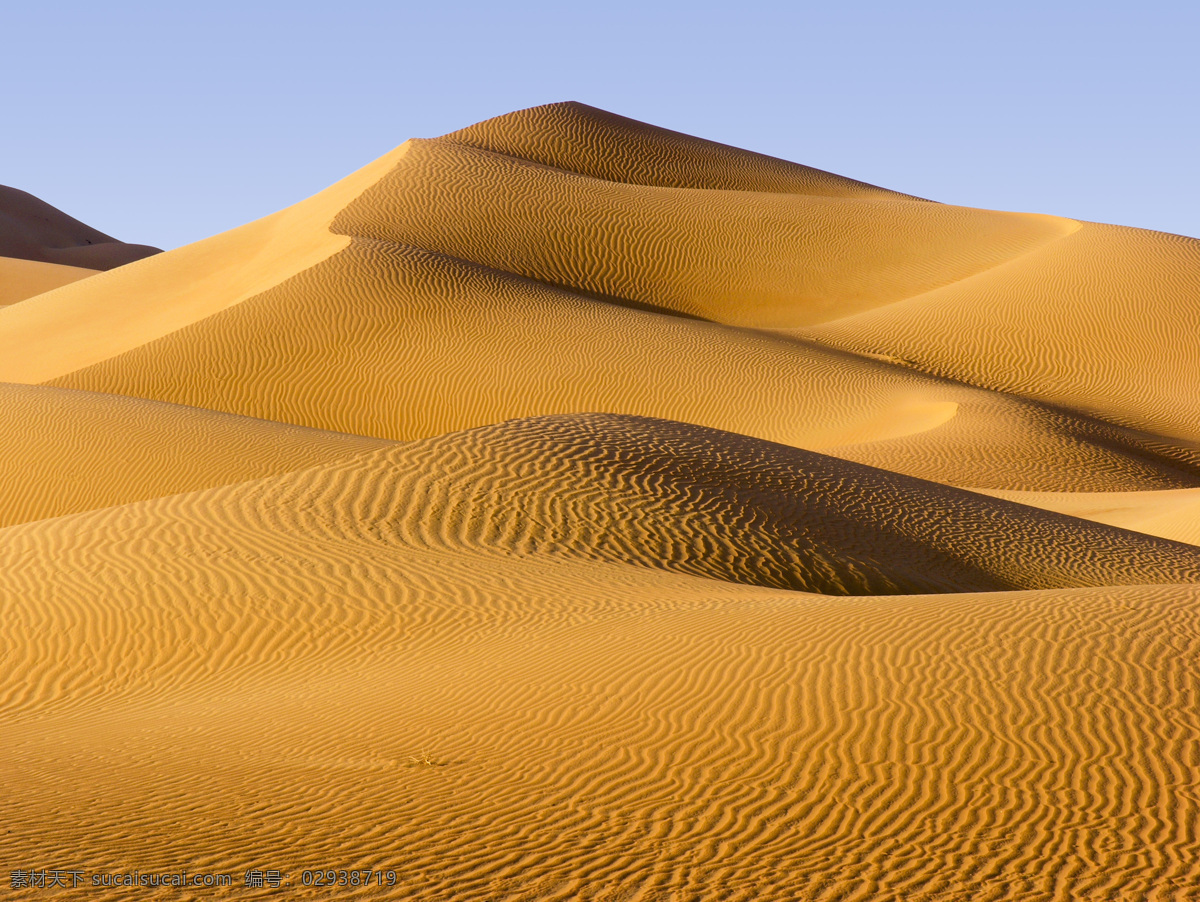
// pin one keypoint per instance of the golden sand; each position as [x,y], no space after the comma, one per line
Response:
[20,279]
[566,508]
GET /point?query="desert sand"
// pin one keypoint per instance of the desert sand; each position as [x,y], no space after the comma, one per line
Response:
[566,508]
[20,278]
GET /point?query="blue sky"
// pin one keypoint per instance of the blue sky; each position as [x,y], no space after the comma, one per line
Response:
[164,123]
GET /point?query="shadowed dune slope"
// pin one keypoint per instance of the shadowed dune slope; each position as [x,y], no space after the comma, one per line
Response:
[66,451]
[31,229]
[723,506]
[21,279]
[212,681]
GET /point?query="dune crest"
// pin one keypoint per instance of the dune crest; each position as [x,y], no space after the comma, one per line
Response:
[720,505]
[575,137]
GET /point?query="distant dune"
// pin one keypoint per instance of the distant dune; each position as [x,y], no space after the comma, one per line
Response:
[42,248]
[31,229]
[568,508]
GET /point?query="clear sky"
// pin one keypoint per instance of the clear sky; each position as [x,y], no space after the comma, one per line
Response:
[163,123]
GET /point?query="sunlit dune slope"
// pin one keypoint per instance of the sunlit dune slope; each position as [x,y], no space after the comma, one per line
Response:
[241,678]
[20,279]
[391,341]
[79,325]
[31,229]
[570,509]
[65,451]
[1106,320]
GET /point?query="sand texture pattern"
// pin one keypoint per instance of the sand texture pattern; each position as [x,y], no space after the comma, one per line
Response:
[570,509]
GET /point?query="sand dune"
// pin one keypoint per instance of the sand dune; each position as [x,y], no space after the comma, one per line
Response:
[568,508]
[659,494]
[394,342]
[31,229]
[737,257]
[1105,321]
[505,726]
[352,310]
[66,451]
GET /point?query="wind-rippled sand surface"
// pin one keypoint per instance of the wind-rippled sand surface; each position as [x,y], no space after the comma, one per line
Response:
[565,508]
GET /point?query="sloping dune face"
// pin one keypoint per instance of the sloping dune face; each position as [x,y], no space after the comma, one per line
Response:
[691,500]
[409,300]
[568,508]
[66,451]
[20,279]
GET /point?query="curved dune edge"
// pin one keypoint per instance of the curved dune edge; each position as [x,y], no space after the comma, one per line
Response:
[21,279]
[904,419]
[78,326]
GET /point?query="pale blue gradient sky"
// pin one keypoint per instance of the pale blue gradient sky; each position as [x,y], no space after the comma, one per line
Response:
[164,123]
